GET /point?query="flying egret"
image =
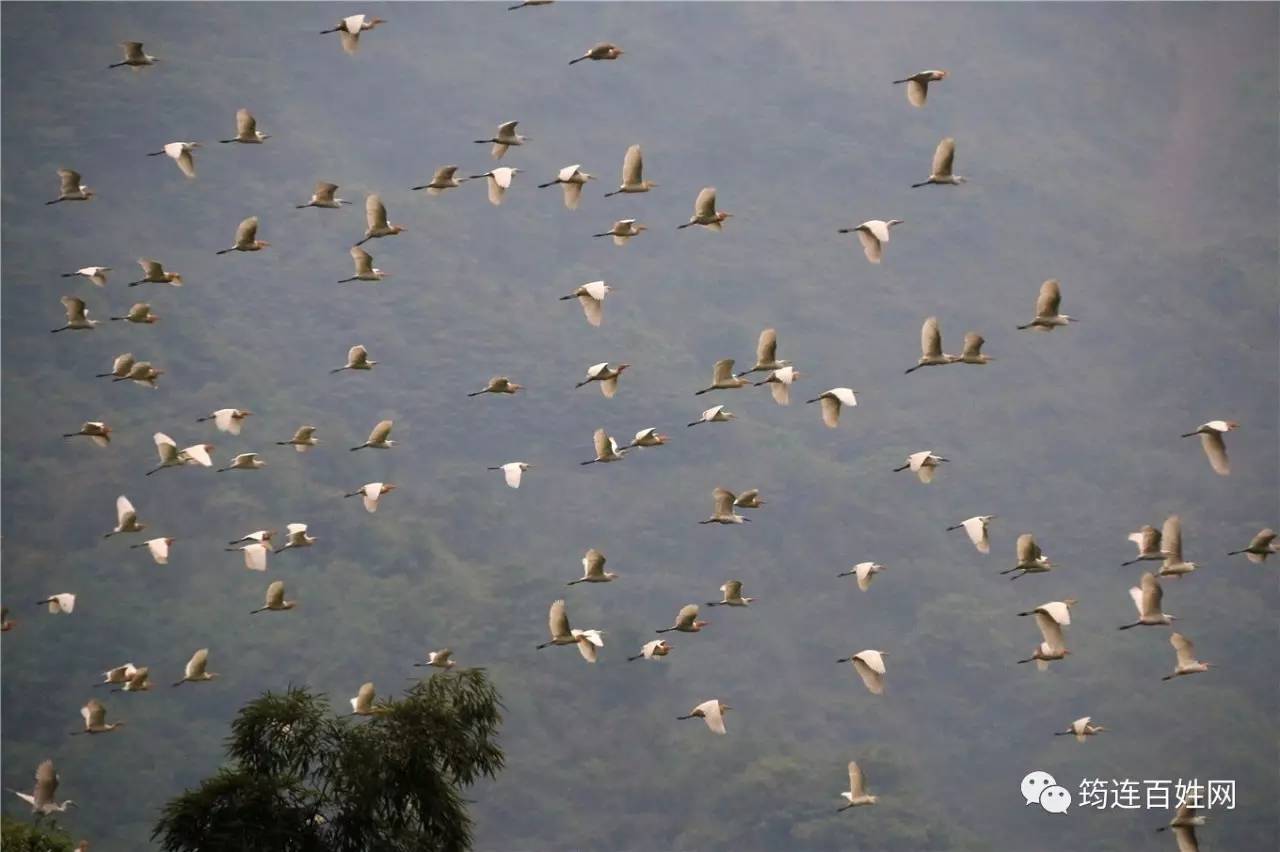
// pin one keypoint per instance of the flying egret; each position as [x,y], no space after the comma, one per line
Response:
[375,217]
[41,796]
[1215,449]
[95,430]
[243,461]
[504,139]
[136,680]
[606,448]
[180,153]
[139,313]
[832,401]
[159,548]
[1030,559]
[274,600]
[940,172]
[723,378]
[749,499]
[362,704]
[923,464]
[304,439]
[1187,662]
[96,274]
[864,571]
[722,511]
[561,634]
[498,181]
[349,29]
[1260,547]
[1047,317]
[117,674]
[323,196]
[715,414]
[1081,728]
[1053,647]
[379,438]
[597,52]
[779,382]
[141,373]
[297,536]
[623,230]
[227,419]
[95,719]
[976,528]
[572,179]
[441,659]
[712,712]
[632,174]
[704,211]
[1173,564]
[120,367]
[513,472]
[255,554]
[171,456]
[731,595]
[1147,540]
[70,188]
[1147,598]
[767,353]
[686,621]
[857,795]
[195,669]
[442,179]
[357,359]
[153,272]
[246,237]
[247,132]
[593,569]
[869,665]
[652,649]
[931,354]
[365,270]
[255,537]
[918,85]
[77,315]
[972,351]
[606,375]
[873,234]
[1183,825]
[63,603]
[498,385]
[370,492]
[591,297]
[649,437]
[134,57]
[126,518]
[1059,611]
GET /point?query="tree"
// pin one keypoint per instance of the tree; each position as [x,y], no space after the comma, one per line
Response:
[20,837]
[302,780]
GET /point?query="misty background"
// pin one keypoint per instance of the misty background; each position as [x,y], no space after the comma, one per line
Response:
[1127,150]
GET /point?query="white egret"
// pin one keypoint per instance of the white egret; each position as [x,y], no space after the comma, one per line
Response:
[41,796]
[1030,559]
[153,272]
[602,51]
[971,353]
[117,674]
[349,29]
[181,154]
[362,704]
[606,448]
[136,680]
[940,172]
[632,174]
[562,634]
[1047,317]
[606,375]
[767,353]
[438,659]
[513,472]
[1184,825]
[77,315]
[141,373]
[365,270]
[1081,728]
[357,359]
[649,437]
[1147,598]
[370,492]
[1147,540]
[704,211]
[498,385]
[923,464]
[722,511]
[504,139]
[1059,611]
[442,179]
[1053,647]
[95,718]
[623,230]
[591,297]
[779,382]
[731,595]
[864,571]
[227,419]
[593,569]
[195,670]
[246,237]
[857,795]
[715,414]
[96,274]
[126,518]
[255,554]
[652,649]
[712,712]
[1187,662]
[1173,564]
[324,196]
[159,548]
[70,188]
[134,56]
[243,461]
[274,600]
[977,530]
[120,366]
[379,438]
[375,216]
[95,430]
[247,132]
[498,181]
[832,401]
[723,378]
[139,313]
[873,234]
[1215,449]
[686,621]
[1260,547]
[931,354]
[297,536]
[918,85]
[572,179]
[869,665]
[63,603]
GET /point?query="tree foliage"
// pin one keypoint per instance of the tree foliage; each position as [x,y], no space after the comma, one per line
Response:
[21,837]
[303,780]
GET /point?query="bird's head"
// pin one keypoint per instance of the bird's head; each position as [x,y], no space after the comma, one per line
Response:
[722,215]
[622,367]
[388,487]
[262,243]
[1070,601]
[195,145]
[725,708]
[175,276]
[659,438]
[514,387]
[893,222]
[942,75]
[698,625]
[961,179]
[1097,729]
[641,228]
[244,412]
[169,541]
[373,23]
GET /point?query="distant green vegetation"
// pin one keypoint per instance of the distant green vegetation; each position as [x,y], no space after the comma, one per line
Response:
[21,837]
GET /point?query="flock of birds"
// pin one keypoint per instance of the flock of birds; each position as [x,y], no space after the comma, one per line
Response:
[1162,546]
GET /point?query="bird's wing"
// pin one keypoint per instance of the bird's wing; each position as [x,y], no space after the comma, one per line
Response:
[1171,537]
[363,261]
[586,647]
[781,392]
[704,207]
[1216,450]
[159,548]
[767,347]
[723,500]
[247,232]
[732,589]
[870,677]
[593,563]
[1186,837]
[601,441]
[1058,611]
[596,369]
[687,614]
[870,245]
[375,214]
[1152,595]
[186,162]
[357,355]
[632,166]
[324,191]
[255,556]
[507,129]
[74,307]
[350,40]
[511,473]
[747,498]
[973,344]
[864,575]
[931,338]
[558,621]
[198,453]
[592,306]
[830,411]
[1027,549]
[380,432]
[132,50]
[245,123]
[976,529]
[723,371]
[1182,645]
[122,363]
[917,92]
[857,787]
[943,157]
[502,177]
[568,172]
[124,508]
[1050,630]
[275,594]
[365,695]
[225,421]
[712,714]
[1049,299]
[572,194]
[70,180]
[496,190]
[197,663]
[46,783]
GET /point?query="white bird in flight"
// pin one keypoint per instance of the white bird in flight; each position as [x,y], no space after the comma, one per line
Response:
[1053,647]
[1081,728]
[303,439]
[1215,449]
[349,29]
[572,179]
[70,188]
[41,797]
[504,139]
[443,178]
[95,719]
[1173,564]
[247,132]
[134,56]
[918,85]
[438,659]
[1147,598]
[864,571]
[364,268]
[623,230]
[931,354]
[598,52]
[686,621]
[296,536]
[126,518]
[1047,317]
[832,402]
[649,437]
[324,196]
[357,359]
[196,669]
[977,530]
[153,272]
[606,449]
[499,385]
[96,274]
[869,665]
[181,154]
[712,712]
[591,297]
[370,492]
[715,414]
[1184,825]
[731,595]
[857,795]
[1059,611]
[779,382]
[1260,547]
[632,174]
[246,237]
[139,313]
[705,213]
[873,234]
[513,472]
[593,569]
[723,378]
[159,548]
[652,649]
[923,464]
[63,603]
[243,461]
[606,375]
[1030,559]
[722,512]
[94,430]
[229,420]
[940,172]
[171,456]
[274,600]
[562,634]
[379,438]
[362,704]
[1147,541]
[498,181]
[77,316]
[1187,663]
[376,224]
